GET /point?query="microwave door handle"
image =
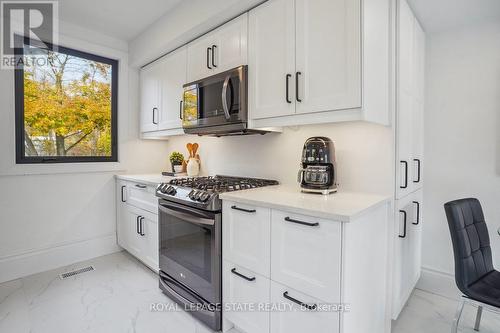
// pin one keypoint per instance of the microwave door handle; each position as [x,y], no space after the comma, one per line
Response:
[224,97]
[187,217]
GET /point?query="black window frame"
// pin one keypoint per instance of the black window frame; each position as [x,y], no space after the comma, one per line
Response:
[21,158]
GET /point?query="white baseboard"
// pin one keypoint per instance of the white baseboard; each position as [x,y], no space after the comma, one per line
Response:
[438,282]
[37,261]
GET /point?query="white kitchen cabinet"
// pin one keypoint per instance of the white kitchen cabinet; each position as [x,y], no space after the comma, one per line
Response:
[242,286]
[306,254]
[150,82]
[219,50]
[328,55]
[137,222]
[161,94]
[271,60]
[246,234]
[304,57]
[300,318]
[410,102]
[407,248]
[313,261]
[121,213]
[172,79]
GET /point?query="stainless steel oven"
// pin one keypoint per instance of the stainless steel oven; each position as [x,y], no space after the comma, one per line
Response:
[190,259]
[217,104]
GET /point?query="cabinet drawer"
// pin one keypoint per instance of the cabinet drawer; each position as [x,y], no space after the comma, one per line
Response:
[306,254]
[142,196]
[246,234]
[238,290]
[297,318]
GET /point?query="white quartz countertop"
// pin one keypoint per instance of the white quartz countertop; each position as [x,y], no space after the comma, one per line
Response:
[341,206]
[148,179]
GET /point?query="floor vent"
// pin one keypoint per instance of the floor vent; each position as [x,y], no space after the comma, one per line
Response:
[76,272]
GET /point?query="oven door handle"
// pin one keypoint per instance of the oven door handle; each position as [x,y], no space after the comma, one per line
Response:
[179,296]
[187,217]
[224,97]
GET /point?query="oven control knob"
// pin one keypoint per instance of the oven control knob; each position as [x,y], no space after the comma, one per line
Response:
[204,197]
[191,194]
[197,195]
[171,190]
[163,188]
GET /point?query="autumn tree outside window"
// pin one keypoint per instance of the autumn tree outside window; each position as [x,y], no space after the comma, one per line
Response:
[66,106]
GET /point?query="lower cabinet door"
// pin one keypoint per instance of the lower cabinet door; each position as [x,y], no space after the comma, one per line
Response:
[306,254]
[299,313]
[245,294]
[149,240]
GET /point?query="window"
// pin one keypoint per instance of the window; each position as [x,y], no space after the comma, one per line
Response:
[66,104]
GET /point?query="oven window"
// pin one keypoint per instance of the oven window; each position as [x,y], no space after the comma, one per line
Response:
[188,244]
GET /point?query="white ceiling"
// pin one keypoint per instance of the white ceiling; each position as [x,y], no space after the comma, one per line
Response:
[440,15]
[123,19]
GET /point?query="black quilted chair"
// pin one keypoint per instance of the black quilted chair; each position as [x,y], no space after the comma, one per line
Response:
[475,275]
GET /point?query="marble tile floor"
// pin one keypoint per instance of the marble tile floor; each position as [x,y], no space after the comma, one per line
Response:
[430,313]
[118,295]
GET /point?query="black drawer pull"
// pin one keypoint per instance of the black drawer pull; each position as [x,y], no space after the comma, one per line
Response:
[404,224]
[297,86]
[137,227]
[208,57]
[140,185]
[296,301]
[419,163]
[406,174]
[242,276]
[141,225]
[288,219]
[287,92]
[243,209]
[123,197]
[418,212]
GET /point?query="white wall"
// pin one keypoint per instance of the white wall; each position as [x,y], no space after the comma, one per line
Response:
[462,136]
[363,151]
[53,215]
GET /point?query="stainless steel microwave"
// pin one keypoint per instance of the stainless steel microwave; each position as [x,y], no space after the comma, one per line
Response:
[217,105]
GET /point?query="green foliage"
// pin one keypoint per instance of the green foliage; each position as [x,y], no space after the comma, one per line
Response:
[67,107]
[176,158]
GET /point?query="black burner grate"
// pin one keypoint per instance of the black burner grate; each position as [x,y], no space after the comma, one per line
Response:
[220,184]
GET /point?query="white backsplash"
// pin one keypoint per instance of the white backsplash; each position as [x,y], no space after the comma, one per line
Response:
[364,154]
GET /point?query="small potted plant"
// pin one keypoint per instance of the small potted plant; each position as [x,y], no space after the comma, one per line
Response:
[176,160]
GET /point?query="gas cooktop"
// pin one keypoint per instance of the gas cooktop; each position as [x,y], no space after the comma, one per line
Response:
[203,192]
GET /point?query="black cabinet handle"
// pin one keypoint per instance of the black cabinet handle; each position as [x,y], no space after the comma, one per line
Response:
[288,219]
[123,197]
[418,170]
[208,58]
[154,112]
[180,110]
[137,228]
[297,86]
[141,225]
[404,224]
[214,47]
[140,185]
[296,301]
[418,212]
[406,174]
[287,85]
[242,276]
[243,209]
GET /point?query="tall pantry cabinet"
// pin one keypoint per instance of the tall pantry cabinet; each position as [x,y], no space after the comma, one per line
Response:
[409,126]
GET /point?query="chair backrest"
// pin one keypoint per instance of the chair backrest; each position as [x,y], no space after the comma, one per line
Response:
[471,241]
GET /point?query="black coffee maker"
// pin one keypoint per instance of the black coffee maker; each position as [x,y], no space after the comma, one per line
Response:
[318,166]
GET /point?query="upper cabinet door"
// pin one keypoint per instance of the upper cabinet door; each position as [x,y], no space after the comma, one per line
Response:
[173,78]
[328,65]
[406,46]
[230,47]
[271,59]
[199,58]
[150,97]
[220,50]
